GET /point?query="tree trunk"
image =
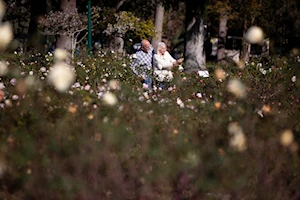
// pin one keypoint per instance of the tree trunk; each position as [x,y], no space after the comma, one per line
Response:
[159,19]
[64,41]
[194,40]
[245,52]
[117,45]
[35,39]
[221,56]
[194,47]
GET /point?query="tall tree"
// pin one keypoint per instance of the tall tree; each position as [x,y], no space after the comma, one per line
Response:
[65,41]
[35,39]
[159,19]
[194,41]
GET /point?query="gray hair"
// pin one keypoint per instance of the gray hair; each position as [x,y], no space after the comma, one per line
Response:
[161,45]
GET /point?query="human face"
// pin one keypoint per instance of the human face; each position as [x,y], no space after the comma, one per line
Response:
[145,47]
[162,50]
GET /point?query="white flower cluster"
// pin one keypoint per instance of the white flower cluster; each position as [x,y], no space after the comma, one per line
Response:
[163,75]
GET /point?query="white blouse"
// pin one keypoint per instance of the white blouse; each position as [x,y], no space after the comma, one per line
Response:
[163,61]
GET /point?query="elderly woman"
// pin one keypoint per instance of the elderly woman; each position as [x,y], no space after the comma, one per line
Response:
[163,63]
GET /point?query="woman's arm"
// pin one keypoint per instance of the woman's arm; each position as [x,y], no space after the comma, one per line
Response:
[173,61]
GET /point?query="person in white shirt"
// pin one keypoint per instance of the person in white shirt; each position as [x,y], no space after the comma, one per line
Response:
[163,63]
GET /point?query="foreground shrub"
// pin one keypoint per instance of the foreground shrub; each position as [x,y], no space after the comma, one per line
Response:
[194,140]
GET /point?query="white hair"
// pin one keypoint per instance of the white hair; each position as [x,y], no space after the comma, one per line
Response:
[160,45]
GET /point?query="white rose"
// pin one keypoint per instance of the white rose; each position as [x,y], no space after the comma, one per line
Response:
[254,35]
[61,76]
[60,54]
[6,35]
[109,99]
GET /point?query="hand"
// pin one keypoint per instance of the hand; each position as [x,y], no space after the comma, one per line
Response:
[141,78]
[179,61]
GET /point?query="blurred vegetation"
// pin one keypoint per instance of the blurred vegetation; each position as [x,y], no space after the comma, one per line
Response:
[73,146]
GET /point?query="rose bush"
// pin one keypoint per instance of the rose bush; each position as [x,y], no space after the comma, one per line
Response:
[194,140]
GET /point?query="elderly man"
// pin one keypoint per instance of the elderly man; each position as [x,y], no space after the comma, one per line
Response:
[142,64]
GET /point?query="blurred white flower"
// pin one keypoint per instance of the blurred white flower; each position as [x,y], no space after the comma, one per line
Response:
[192,159]
[87,87]
[110,99]
[238,138]
[60,54]
[254,35]
[237,88]
[76,85]
[3,68]
[6,35]
[48,99]
[61,76]
[154,97]
[2,86]
[180,68]
[31,81]
[238,142]
[8,102]
[220,73]
[199,95]
[263,71]
[114,85]
[259,65]
[141,98]
[146,95]
[13,81]
[145,86]
[179,102]
[294,79]
[85,104]
[15,97]
[286,137]
[43,69]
